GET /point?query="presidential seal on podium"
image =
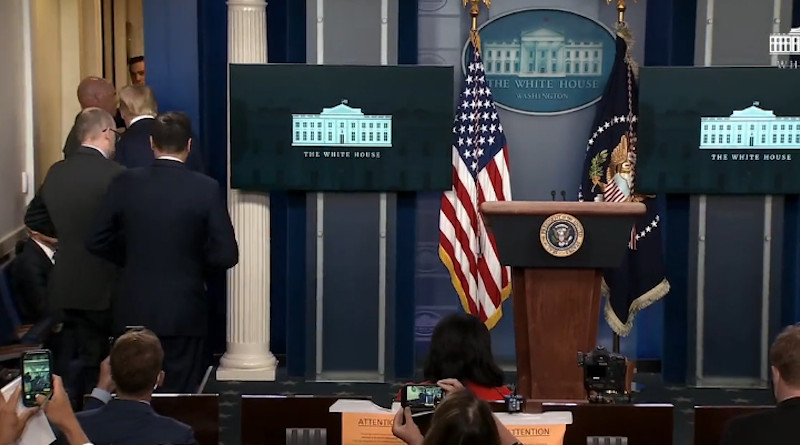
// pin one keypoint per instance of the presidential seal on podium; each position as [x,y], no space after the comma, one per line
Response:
[561,235]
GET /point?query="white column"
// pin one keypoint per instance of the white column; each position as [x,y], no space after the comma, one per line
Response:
[248,356]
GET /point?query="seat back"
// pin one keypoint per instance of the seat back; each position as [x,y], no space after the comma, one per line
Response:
[200,411]
[645,423]
[9,317]
[289,420]
[709,421]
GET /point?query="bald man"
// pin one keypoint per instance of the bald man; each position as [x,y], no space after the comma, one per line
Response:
[81,285]
[93,92]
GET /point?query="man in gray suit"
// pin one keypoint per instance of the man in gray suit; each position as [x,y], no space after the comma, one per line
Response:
[81,285]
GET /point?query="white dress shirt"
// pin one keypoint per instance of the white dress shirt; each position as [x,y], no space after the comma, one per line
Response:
[170,158]
[92,146]
[138,118]
[46,249]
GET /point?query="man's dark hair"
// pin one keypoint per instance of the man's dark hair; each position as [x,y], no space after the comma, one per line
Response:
[461,349]
[136,360]
[171,132]
[136,59]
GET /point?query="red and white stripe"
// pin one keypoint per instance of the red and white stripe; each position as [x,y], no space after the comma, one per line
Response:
[463,238]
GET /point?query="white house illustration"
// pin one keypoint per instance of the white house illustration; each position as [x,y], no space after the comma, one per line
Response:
[785,43]
[752,127]
[341,126]
[543,53]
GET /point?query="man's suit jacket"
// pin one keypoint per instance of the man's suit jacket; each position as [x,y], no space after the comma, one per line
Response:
[774,427]
[70,197]
[167,226]
[134,150]
[128,422]
[30,271]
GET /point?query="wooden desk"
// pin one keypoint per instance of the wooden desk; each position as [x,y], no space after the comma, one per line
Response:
[709,421]
[265,419]
[642,424]
[200,411]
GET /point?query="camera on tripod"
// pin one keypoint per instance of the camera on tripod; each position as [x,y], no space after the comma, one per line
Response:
[603,374]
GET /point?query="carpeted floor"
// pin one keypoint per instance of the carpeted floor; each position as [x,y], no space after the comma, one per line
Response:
[649,390]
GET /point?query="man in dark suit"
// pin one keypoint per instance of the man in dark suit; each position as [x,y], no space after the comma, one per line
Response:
[93,92]
[168,227]
[81,285]
[30,271]
[135,361]
[776,426]
[138,108]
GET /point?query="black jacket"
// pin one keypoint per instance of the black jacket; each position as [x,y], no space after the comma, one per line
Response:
[772,427]
[128,422]
[134,150]
[167,226]
[30,271]
[70,197]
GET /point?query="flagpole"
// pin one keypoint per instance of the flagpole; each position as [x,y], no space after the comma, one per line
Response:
[621,7]
[474,12]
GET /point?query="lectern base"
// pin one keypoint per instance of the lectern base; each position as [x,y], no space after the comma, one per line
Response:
[555,317]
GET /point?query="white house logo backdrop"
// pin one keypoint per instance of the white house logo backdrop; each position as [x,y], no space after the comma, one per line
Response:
[342,126]
[736,137]
[545,61]
[785,44]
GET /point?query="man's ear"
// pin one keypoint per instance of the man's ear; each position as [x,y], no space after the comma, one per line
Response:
[776,375]
[160,379]
[189,146]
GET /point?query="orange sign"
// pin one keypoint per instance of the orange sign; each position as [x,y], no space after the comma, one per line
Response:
[376,429]
[538,435]
[372,429]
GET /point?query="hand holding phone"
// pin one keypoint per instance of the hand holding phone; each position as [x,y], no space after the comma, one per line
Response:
[37,376]
[421,396]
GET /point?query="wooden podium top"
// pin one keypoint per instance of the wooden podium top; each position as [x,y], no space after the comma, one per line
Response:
[572,207]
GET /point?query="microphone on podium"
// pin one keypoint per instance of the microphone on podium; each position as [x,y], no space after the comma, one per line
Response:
[553,194]
[563,195]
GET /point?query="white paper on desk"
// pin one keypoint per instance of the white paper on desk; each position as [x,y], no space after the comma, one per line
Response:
[548,418]
[361,407]
[38,430]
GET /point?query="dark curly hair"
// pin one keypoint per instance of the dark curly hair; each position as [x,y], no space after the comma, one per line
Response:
[461,349]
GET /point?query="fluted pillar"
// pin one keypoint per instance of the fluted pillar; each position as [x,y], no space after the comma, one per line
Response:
[248,356]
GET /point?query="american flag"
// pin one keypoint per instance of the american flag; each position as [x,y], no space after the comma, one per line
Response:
[480,174]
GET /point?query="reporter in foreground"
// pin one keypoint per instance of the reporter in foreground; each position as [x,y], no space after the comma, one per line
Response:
[58,411]
[461,349]
[461,419]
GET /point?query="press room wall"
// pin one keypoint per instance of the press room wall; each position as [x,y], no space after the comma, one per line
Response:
[546,153]
[735,274]
[550,147]
[15,116]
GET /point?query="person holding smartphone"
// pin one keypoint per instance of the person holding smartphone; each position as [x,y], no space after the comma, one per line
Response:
[460,419]
[57,409]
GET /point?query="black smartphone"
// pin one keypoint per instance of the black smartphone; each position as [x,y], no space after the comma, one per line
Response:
[37,376]
[421,396]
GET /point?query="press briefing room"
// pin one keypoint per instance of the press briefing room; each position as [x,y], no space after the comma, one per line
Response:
[422,222]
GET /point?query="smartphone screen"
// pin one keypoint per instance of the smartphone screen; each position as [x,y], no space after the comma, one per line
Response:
[37,378]
[421,396]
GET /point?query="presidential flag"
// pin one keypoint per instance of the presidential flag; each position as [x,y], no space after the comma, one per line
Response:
[480,174]
[609,175]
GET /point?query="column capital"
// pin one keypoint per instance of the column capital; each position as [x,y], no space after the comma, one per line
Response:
[248,3]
